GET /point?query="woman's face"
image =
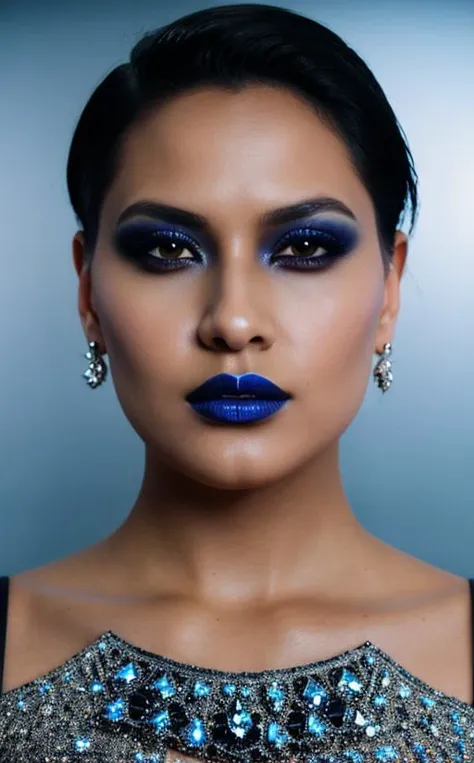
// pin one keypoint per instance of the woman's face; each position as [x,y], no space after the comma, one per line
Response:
[228,288]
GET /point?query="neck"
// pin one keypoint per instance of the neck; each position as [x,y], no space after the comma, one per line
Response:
[280,540]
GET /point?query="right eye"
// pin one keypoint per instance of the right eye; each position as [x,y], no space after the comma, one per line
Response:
[171,250]
[157,249]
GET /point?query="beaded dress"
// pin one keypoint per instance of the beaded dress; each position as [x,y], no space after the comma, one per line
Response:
[114,702]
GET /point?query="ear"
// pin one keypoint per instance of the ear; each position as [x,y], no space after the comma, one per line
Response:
[89,319]
[391,303]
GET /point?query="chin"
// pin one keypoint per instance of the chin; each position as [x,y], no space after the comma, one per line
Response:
[252,479]
[232,482]
[236,458]
[239,466]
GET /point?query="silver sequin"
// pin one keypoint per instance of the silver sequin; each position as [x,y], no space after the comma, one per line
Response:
[116,703]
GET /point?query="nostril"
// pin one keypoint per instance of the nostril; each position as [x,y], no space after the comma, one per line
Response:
[257,340]
[220,343]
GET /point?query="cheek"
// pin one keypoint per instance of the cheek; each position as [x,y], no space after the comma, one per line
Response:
[334,334]
[146,326]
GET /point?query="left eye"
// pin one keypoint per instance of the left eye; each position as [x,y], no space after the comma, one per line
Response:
[306,248]
[303,247]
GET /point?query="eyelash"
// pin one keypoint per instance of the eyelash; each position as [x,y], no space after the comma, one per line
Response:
[315,237]
[137,246]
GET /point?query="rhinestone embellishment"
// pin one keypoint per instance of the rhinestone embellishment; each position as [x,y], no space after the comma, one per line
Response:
[117,703]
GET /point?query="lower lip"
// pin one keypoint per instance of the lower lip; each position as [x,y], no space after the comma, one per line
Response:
[235,411]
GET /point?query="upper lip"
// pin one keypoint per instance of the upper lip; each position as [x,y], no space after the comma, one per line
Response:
[237,386]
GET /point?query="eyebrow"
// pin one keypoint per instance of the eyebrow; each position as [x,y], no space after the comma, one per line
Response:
[274,217]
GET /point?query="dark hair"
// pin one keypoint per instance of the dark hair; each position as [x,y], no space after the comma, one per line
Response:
[233,46]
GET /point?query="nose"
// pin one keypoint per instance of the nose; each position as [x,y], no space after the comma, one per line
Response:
[238,312]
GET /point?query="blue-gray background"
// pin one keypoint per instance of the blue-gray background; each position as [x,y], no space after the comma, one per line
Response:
[70,464]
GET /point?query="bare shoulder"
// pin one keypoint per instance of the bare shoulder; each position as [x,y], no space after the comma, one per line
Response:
[70,572]
[418,606]
[401,574]
[51,615]
[424,620]
[52,592]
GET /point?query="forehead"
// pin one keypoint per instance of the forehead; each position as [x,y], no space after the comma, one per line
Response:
[254,149]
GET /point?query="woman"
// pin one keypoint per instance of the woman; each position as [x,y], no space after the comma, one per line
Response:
[240,186]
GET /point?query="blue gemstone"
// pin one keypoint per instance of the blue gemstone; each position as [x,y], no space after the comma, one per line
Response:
[160,721]
[380,701]
[21,704]
[316,726]
[96,687]
[246,691]
[201,689]
[404,691]
[314,693]
[349,681]
[424,721]
[353,756]
[165,687]
[195,733]
[277,695]
[428,701]
[229,689]
[115,710]
[456,723]
[81,745]
[128,673]
[387,752]
[277,736]
[421,753]
[45,688]
[240,722]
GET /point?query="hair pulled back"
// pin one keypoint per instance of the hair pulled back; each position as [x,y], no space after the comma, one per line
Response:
[234,46]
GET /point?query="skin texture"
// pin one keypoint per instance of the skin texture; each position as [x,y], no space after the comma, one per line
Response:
[313,334]
[241,551]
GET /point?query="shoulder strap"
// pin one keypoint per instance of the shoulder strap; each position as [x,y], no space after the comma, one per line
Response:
[4,590]
[471,588]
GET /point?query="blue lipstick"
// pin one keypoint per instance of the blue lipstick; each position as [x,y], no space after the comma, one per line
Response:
[237,399]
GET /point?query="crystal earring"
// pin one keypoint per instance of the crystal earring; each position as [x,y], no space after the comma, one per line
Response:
[383,376]
[96,371]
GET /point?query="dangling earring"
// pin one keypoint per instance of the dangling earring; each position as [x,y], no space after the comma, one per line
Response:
[383,370]
[96,372]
